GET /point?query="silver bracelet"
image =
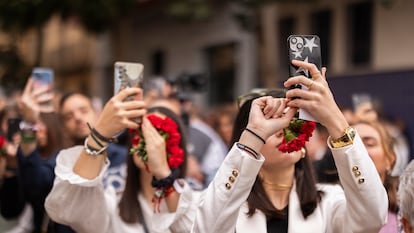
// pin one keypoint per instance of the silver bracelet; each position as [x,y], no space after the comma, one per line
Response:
[92,151]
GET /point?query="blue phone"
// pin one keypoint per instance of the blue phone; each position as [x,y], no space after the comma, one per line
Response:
[43,77]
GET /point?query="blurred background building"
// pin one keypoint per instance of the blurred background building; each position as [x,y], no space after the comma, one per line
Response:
[218,49]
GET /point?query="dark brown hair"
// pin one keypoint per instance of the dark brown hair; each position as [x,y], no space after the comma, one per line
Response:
[307,192]
[54,135]
[129,207]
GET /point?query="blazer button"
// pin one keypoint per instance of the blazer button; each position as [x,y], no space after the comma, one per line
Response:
[357,173]
[235,173]
[228,186]
[232,179]
[361,180]
[355,168]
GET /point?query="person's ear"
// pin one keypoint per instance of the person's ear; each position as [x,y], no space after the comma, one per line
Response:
[391,160]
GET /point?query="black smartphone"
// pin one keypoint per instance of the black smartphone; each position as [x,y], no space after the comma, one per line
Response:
[13,127]
[305,48]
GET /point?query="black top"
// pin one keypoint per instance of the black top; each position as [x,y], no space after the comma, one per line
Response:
[278,225]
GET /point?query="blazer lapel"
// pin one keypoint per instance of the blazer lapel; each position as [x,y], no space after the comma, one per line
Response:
[297,223]
[246,224]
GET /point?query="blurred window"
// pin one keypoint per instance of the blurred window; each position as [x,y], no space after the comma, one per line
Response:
[360,33]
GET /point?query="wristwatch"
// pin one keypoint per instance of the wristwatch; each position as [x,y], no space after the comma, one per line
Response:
[344,140]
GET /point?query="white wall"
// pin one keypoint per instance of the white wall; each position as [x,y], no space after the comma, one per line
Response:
[394,36]
[393,33]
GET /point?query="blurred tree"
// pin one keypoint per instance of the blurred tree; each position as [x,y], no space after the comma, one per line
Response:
[189,10]
[17,17]
[12,69]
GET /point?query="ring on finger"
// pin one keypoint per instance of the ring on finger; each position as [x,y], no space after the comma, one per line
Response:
[310,84]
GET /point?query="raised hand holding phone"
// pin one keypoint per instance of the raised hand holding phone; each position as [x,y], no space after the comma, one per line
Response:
[42,87]
[304,48]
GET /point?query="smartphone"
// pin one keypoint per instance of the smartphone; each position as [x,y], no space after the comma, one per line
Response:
[43,77]
[305,48]
[128,74]
[13,127]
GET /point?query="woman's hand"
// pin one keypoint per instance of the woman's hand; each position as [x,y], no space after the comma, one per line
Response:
[156,150]
[269,115]
[118,114]
[317,100]
[31,103]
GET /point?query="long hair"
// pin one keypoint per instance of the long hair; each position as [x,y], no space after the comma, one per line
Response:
[54,135]
[129,207]
[307,192]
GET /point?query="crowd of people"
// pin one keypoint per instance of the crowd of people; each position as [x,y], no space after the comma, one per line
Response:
[74,168]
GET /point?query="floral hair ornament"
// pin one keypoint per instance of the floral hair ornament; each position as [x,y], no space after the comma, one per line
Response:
[168,129]
[296,135]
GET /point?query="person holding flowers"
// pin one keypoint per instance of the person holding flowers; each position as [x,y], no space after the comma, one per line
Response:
[151,200]
[266,183]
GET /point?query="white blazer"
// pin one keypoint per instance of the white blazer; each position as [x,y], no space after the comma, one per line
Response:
[360,207]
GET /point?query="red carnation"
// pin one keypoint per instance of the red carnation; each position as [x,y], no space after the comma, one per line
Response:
[168,129]
[296,135]
[2,142]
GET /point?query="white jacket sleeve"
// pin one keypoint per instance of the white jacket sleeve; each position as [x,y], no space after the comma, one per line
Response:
[220,203]
[182,219]
[75,201]
[366,206]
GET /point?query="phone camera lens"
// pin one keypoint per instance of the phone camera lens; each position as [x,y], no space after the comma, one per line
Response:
[299,46]
[294,40]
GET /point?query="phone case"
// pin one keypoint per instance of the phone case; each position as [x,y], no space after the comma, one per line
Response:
[305,48]
[128,74]
[42,76]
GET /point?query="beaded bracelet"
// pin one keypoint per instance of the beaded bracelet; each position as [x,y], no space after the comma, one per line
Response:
[159,194]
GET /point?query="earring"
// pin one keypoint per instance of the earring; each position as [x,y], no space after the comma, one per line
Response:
[303,150]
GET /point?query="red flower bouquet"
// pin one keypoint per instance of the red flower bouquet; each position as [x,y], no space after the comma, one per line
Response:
[296,135]
[168,129]
[3,143]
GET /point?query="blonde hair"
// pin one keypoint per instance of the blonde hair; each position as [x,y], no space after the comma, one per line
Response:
[387,142]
